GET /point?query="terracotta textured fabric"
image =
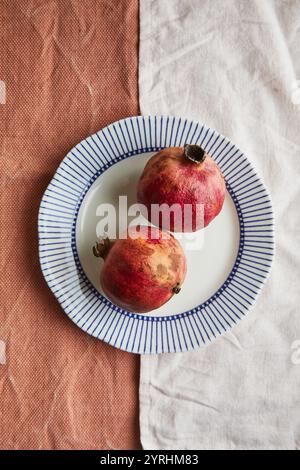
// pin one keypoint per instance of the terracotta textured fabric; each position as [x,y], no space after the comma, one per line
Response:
[69,67]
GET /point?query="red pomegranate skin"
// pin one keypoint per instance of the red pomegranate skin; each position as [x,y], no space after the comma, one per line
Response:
[171,178]
[142,273]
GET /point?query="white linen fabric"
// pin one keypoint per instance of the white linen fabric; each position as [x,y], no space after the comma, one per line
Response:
[235,66]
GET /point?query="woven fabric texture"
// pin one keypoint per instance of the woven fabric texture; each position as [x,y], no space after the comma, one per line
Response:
[68,68]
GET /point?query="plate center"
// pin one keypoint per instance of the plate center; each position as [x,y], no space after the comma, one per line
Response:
[210,253]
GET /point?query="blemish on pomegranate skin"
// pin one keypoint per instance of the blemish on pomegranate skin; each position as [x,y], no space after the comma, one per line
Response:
[161,270]
[174,262]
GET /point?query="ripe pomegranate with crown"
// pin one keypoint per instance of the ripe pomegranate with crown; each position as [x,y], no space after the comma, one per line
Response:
[186,179]
[143,269]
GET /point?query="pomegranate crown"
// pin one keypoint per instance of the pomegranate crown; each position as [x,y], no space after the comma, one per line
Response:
[195,153]
[102,247]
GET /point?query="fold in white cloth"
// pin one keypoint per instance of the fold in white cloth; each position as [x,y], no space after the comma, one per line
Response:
[234,66]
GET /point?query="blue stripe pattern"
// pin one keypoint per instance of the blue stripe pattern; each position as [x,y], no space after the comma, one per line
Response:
[94,313]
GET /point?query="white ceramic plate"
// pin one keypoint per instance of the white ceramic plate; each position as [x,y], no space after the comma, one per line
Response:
[228,261]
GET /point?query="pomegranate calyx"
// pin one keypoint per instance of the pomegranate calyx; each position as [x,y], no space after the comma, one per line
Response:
[195,153]
[176,289]
[102,247]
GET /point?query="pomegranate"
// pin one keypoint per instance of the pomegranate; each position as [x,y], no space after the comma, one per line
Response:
[179,176]
[143,269]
